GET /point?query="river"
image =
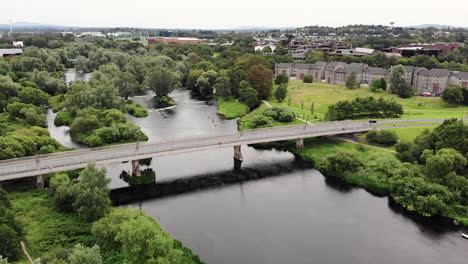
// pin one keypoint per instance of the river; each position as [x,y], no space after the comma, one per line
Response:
[296,217]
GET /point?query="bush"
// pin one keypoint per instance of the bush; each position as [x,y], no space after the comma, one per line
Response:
[342,162]
[135,109]
[308,79]
[260,121]
[93,141]
[384,137]
[120,133]
[281,78]
[148,176]
[280,114]
[63,118]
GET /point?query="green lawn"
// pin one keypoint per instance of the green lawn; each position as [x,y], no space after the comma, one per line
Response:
[231,108]
[245,122]
[409,133]
[302,95]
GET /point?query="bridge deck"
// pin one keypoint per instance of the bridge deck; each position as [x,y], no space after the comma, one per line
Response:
[63,161]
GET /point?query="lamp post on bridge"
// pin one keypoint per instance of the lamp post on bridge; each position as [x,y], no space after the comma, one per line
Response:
[37,156]
[307,119]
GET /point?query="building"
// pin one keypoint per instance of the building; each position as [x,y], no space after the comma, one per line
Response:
[18,44]
[357,52]
[372,73]
[4,53]
[459,78]
[431,81]
[167,40]
[426,49]
[342,73]
[422,80]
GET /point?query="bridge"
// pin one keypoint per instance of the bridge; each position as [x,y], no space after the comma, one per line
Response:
[64,161]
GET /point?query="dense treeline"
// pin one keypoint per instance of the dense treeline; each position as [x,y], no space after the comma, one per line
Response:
[430,177]
[364,108]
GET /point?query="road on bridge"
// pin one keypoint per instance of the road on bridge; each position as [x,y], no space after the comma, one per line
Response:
[63,161]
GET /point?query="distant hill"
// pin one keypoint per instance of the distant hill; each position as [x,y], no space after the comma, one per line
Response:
[438,26]
[24,24]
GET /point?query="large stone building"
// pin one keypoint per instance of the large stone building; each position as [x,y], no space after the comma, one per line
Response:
[433,81]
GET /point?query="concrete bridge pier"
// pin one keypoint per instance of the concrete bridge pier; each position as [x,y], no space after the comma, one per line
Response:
[40,182]
[136,171]
[237,158]
[300,143]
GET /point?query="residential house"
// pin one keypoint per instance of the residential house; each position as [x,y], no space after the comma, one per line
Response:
[371,73]
[432,81]
[459,78]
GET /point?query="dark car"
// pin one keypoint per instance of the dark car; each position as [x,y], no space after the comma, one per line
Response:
[372,121]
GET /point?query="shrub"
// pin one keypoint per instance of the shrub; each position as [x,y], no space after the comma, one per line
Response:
[83,255]
[280,114]
[384,137]
[63,118]
[93,141]
[135,109]
[342,162]
[260,121]
[281,78]
[308,79]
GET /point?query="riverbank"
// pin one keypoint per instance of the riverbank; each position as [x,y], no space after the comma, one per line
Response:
[376,166]
[231,108]
[49,230]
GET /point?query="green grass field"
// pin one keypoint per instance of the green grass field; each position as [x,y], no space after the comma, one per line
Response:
[302,95]
[409,133]
[231,108]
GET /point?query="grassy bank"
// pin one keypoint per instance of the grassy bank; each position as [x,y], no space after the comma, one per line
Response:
[302,95]
[231,108]
[48,229]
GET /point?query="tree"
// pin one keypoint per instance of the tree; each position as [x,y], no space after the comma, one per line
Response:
[33,96]
[342,162]
[91,193]
[106,229]
[453,95]
[398,84]
[249,97]
[444,162]
[143,241]
[223,86]
[127,84]
[162,81]
[192,78]
[204,87]
[351,81]
[8,87]
[308,79]
[261,79]
[281,92]
[281,78]
[384,137]
[84,255]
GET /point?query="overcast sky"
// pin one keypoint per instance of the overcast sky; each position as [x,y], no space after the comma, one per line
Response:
[211,14]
